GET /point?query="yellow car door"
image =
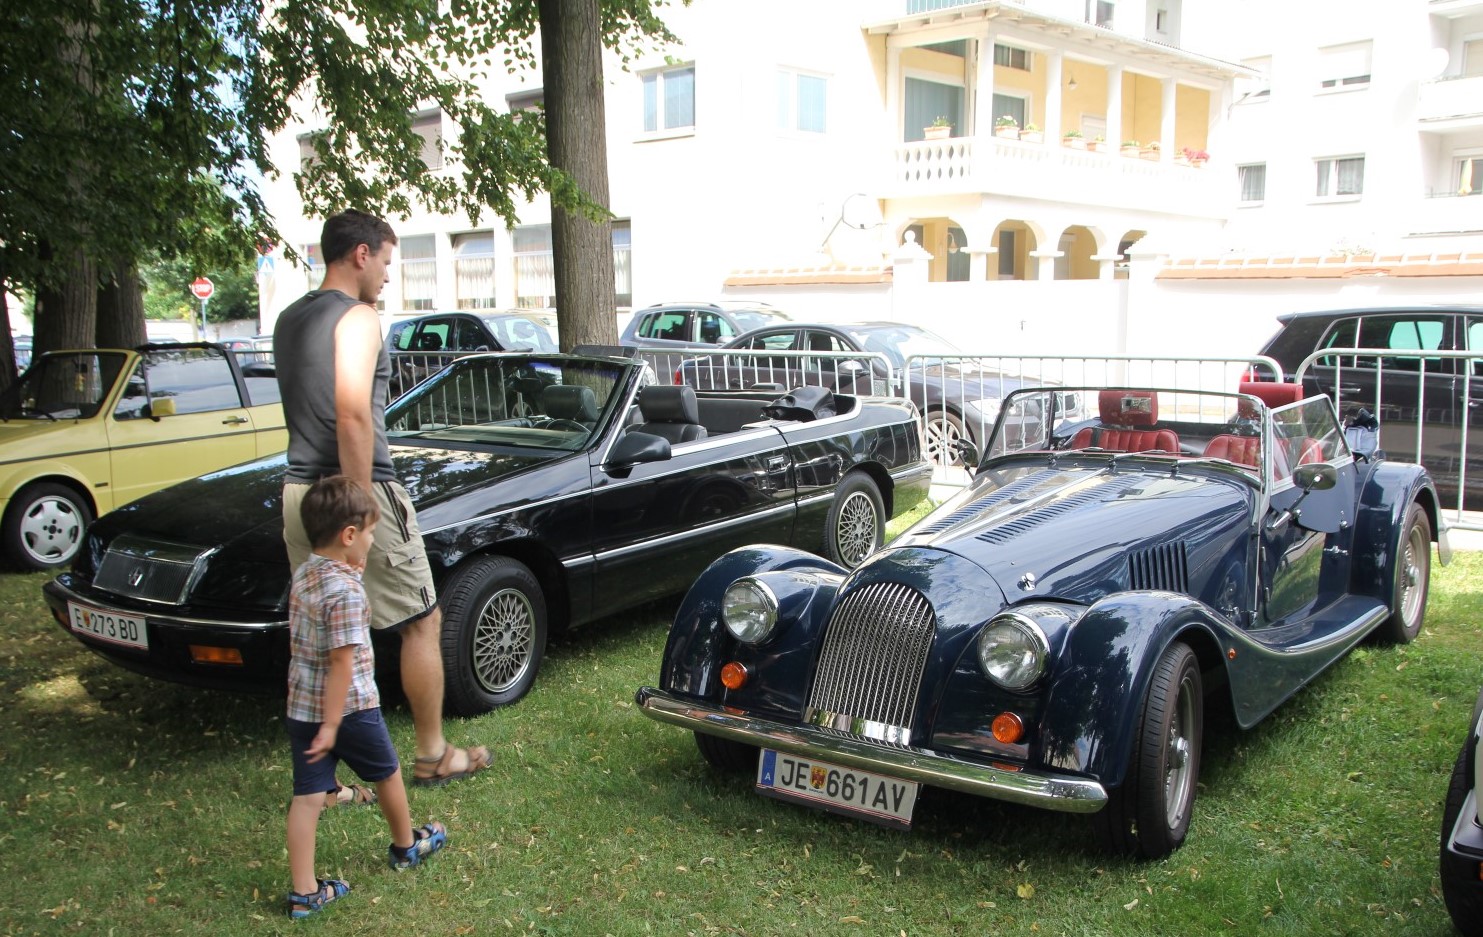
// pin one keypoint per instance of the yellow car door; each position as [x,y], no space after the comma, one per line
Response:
[179,415]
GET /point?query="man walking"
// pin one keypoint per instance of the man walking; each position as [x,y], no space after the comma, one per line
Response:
[333,370]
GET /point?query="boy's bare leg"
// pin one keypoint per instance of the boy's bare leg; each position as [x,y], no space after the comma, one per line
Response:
[391,795]
[303,824]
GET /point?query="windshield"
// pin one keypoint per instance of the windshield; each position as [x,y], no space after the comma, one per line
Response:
[62,387]
[544,402]
[1180,424]
[899,342]
[517,333]
[748,319]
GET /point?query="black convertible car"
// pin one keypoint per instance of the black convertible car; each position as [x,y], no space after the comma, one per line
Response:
[552,490]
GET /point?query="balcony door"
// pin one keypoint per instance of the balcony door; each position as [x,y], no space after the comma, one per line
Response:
[928,100]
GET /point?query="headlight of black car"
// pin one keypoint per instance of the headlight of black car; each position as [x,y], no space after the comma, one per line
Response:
[1013,650]
[750,610]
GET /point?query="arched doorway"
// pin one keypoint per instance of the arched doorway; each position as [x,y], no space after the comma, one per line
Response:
[1013,242]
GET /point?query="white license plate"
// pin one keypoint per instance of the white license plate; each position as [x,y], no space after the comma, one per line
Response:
[108,626]
[881,799]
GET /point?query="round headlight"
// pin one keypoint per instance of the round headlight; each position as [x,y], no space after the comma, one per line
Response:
[750,610]
[1012,651]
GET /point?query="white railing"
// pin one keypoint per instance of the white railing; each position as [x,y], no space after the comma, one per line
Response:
[1432,426]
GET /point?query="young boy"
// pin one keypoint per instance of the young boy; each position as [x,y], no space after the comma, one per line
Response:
[334,711]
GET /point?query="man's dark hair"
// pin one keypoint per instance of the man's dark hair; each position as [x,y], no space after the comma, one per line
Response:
[344,232]
[331,505]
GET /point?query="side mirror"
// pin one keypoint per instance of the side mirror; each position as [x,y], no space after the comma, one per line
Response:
[968,452]
[161,406]
[851,366]
[1315,476]
[637,448]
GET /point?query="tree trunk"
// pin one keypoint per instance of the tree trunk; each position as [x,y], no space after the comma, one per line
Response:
[66,313]
[121,309]
[576,142]
[7,347]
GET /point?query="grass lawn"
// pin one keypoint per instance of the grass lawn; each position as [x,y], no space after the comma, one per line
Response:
[134,807]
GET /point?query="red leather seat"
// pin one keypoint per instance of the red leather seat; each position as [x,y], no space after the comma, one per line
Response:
[1123,414]
[1243,450]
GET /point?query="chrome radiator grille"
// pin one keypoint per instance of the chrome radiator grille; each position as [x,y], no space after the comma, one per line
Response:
[152,570]
[871,664]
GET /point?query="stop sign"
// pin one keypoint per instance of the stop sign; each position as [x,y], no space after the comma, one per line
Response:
[202,288]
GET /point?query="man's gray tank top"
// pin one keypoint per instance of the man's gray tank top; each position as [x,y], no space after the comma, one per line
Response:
[304,356]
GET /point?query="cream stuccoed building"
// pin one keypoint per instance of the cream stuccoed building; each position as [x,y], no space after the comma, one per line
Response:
[1070,176]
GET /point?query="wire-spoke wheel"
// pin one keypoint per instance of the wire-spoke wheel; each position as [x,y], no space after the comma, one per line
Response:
[494,634]
[1412,580]
[856,526]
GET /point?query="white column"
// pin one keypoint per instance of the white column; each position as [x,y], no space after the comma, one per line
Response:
[983,101]
[1046,264]
[979,259]
[1166,127]
[1053,99]
[1114,108]
[894,133]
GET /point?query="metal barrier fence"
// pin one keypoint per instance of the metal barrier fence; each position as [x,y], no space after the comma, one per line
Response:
[1424,402]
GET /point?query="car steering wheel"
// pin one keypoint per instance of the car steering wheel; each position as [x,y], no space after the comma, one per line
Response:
[571,426]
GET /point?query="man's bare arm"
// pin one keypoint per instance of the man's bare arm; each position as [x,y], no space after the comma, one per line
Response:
[357,346]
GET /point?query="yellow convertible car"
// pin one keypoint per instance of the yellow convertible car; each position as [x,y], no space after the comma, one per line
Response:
[83,432]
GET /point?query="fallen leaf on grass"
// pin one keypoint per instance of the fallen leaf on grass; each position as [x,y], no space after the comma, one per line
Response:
[851,919]
[1025,891]
[1131,905]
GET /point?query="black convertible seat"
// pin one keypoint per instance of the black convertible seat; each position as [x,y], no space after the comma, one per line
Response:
[670,411]
[569,402]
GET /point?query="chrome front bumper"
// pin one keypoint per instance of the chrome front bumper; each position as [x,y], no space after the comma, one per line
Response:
[1047,791]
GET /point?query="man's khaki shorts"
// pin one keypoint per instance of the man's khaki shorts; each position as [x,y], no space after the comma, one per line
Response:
[398,580]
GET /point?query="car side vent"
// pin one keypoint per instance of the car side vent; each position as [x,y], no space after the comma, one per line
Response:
[983,504]
[1106,491]
[1163,566]
[151,570]
[870,667]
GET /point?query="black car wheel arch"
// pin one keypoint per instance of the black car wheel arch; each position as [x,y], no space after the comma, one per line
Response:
[45,525]
[1148,816]
[494,634]
[1461,890]
[726,755]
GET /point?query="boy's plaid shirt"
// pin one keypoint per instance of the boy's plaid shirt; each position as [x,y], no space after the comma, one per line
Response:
[328,609]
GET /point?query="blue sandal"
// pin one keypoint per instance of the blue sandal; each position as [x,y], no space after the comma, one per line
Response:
[426,840]
[330,889]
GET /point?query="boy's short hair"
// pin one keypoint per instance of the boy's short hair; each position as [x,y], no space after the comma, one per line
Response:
[342,233]
[331,505]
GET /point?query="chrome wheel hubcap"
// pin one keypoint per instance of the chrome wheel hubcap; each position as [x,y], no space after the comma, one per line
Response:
[503,640]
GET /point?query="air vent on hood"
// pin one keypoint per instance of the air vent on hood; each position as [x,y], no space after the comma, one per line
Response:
[1160,567]
[1109,489]
[983,504]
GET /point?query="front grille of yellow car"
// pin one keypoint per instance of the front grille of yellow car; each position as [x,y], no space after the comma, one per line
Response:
[151,570]
[870,668]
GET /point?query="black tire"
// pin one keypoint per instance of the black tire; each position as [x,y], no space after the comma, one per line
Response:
[857,521]
[494,634]
[727,755]
[45,525]
[1148,816]
[944,430]
[1461,890]
[1412,580]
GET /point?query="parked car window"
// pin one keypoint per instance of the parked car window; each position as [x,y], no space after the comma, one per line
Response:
[1475,344]
[198,380]
[470,336]
[132,402]
[748,319]
[714,329]
[400,337]
[62,387]
[433,336]
[1394,332]
[668,326]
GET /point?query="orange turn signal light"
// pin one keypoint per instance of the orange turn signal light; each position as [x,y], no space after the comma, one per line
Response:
[1008,728]
[205,654]
[734,676]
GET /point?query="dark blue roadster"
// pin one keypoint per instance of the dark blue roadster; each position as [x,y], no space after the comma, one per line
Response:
[1053,634]
[551,490]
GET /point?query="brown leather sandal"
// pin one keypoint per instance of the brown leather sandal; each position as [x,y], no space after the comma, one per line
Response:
[350,795]
[431,772]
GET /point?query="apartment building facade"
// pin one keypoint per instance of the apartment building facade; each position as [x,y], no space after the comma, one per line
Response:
[962,164]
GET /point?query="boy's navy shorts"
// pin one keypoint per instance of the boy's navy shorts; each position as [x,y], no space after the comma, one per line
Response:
[363,743]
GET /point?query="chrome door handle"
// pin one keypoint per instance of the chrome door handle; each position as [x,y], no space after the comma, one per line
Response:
[1345,389]
[234,419]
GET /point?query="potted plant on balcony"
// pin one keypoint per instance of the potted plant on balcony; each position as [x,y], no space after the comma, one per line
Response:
[1131,148]
[940,129]
[1098,144]
[1194,157]
[1007,127]
[1074,140]
[1151,151]
[1032,134]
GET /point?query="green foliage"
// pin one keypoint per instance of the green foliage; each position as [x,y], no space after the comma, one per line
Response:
[135,128]
[167,292]
[152,808]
